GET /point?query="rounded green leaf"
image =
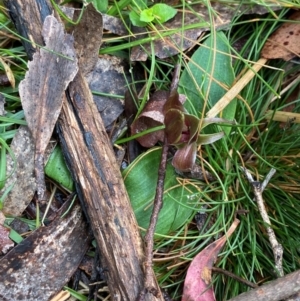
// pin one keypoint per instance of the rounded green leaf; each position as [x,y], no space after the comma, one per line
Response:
[180,200]
[135,19]
[163,12]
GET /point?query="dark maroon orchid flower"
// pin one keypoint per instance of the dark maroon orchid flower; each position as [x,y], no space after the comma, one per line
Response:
[183,131]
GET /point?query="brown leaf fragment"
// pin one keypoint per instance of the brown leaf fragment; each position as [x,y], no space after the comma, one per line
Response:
[20,173]
[151,117]
[5,242]
[40,265]
[88,37]
[284,43]
[41,91]
[108,77]
[197,284]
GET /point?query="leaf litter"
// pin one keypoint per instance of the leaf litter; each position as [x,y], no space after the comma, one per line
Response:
[49,74]
[197,284]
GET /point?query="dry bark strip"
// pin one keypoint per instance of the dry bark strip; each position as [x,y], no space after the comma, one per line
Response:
[276,290]
[99,183]
[40,265]
[98,179]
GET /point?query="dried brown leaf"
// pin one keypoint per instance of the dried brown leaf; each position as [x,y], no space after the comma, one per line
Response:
[151,116]
[197,284]
[284,43]
[23,179]
[108,77]
[88,37]
[42,89]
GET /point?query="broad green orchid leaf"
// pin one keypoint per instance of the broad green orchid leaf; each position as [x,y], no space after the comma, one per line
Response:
[209,138]
[208,76]
[185,157]
[181,199]
[174,122]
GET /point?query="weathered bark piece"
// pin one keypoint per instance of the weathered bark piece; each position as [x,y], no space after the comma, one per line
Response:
[276,290]
[91,160]
[49,74]
[40,265]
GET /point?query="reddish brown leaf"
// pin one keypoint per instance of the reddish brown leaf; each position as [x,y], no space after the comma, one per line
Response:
[5,242]
[151,116]
[284,43]
[41,91]
[197,284]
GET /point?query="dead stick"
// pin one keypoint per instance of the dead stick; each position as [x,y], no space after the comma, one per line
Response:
[276,290]
[276,247]
[149,237]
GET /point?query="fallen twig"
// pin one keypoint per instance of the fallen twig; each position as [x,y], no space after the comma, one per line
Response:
[258,188]
[149,240]
[276,290]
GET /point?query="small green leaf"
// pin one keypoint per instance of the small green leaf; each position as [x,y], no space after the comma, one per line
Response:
[100,5]
[57,170]
[147,15]
[180,200]
[15,236]
[135,19]
[163,12]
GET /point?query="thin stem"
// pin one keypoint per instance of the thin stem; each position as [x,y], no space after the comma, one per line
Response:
[149,237]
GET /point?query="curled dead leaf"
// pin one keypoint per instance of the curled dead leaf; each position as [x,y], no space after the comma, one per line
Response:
[151,117]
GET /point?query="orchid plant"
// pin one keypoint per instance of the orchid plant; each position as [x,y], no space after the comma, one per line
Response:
[183,131]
